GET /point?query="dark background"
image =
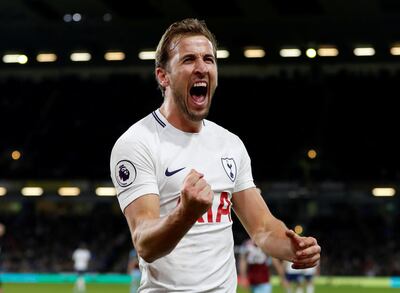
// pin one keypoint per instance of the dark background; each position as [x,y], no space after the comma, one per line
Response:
[344,107]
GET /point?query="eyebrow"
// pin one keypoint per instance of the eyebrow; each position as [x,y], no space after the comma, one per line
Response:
[191,55]
[210,55]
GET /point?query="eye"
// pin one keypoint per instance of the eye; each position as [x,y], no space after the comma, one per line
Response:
[209,60]
[187,59]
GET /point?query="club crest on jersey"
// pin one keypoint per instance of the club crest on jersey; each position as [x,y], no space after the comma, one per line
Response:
[229,167]
[125,173]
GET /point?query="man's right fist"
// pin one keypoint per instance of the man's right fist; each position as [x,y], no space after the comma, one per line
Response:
[196,195]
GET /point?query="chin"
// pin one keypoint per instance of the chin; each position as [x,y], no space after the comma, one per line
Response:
[197,116]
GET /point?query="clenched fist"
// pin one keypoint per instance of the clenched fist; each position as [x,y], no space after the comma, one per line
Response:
[196,195]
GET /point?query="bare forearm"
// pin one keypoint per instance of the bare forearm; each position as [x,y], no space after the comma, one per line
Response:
[271,234]
[155,238]
[274,241]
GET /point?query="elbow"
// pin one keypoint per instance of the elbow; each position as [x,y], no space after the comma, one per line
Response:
[149,255]
[144,250]
[148,258]
[147,248]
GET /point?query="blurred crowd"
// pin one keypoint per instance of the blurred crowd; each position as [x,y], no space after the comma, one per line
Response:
[44,241]
[41,237]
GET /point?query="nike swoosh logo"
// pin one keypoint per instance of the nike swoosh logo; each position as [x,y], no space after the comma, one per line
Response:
[170,173]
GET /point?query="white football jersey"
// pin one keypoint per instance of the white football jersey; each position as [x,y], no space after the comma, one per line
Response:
[154,157]
[254,254]
[81,257]
[290,270]
[310,271]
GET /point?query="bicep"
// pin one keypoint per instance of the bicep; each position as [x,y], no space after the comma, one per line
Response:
[252,211]
[146,207]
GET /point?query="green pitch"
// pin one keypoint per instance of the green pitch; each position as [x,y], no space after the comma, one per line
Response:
[333,289]
[64,288]
[124,288]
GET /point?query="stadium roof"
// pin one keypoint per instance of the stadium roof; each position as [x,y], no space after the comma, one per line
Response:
[63,26]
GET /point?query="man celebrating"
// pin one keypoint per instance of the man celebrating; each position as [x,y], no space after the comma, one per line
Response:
[183,173]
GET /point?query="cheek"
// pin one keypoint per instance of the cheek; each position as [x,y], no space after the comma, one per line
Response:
[214,74]
[180,79]
[215,81]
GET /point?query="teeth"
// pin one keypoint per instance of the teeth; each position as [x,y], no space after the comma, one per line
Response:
[201,83]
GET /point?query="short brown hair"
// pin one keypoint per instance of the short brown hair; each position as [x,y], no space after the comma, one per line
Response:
[186,27]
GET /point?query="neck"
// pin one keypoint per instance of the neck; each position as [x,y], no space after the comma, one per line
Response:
[177,119]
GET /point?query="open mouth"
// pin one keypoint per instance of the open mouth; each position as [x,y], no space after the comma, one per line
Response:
[198,92]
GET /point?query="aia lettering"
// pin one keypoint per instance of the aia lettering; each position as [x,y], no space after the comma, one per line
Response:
[224,209]
[221,211]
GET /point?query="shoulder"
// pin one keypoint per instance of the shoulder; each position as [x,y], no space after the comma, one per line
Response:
[224,137]
[220,131]
[140,133]
[139,130]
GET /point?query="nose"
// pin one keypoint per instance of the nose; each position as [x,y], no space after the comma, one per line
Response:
[200,67]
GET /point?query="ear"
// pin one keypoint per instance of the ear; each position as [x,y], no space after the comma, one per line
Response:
[162,77]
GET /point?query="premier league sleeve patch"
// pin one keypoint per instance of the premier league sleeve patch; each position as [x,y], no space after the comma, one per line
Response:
[125,173]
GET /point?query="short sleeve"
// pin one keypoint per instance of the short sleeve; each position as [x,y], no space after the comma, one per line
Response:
[132,170]
[245,176]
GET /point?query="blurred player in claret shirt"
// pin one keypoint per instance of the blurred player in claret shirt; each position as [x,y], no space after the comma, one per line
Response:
[254,268]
